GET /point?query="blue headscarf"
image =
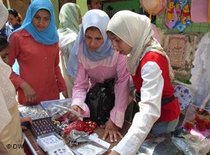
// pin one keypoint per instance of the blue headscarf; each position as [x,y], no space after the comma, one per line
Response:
[99,19]
[49,36]
[93,18]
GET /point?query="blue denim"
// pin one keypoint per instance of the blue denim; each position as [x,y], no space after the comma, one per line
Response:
[164,127]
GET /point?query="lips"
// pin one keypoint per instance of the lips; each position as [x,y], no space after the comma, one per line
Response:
[92,50]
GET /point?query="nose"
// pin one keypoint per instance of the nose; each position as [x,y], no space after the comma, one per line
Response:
[41,22]
[92,45]
[92,42]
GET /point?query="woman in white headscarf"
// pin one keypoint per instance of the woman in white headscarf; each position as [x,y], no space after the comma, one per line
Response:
[131,34]
[10,128]
[70,18]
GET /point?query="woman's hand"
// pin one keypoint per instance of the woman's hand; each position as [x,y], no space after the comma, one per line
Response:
[77,109]
[25,120]
[111,131]
[29,92]
[74,116]
[113,153]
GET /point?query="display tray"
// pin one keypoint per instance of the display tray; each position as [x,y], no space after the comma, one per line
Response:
[88,149]
[64,150]
[43,109]
[43,126]
[33,111]
[50,105]
[50,141]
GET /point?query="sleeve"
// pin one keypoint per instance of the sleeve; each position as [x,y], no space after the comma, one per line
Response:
[5,116]
[150,105]
[72,63]
[121,89]
[60,79]
[81,86]
[14,52]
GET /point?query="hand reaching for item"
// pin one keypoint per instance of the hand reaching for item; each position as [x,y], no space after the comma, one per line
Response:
[75,113]
[25,122]
[77,108]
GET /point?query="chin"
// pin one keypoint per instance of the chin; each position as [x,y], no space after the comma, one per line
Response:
[40,29]
[122,52]
[91,50]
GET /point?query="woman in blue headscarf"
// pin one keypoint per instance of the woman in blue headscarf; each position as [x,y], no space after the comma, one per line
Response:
[35,46]
[97,62]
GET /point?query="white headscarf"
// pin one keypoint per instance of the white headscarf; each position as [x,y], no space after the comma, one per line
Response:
[3,13]
[69,25]
[136,31]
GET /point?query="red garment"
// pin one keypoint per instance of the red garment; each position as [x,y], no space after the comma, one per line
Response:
[38,66]
[169,111]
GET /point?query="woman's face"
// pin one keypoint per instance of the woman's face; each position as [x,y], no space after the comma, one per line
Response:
[118,44]
[4,54]
[12,19]
[93,39]
[95,4]
[41,20]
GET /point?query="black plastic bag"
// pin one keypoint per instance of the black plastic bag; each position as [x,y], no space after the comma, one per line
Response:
[100,100]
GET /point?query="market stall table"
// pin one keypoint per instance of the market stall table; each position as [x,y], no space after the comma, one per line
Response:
[36,150]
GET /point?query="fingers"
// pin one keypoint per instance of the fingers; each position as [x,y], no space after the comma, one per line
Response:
[120,135]
[24,128]
[78,112]
[76,108]
[26,123]
[31,97]
[113,135]
[106,133]
[74,113]
[29,92]
[111,131]
[72,116]
[113,153]
[26,119]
